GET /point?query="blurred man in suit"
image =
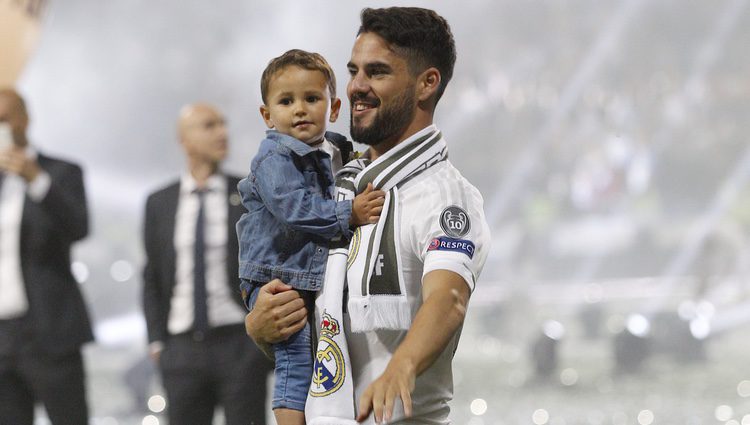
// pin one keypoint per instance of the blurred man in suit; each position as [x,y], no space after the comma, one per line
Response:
[194,312]
[43,319]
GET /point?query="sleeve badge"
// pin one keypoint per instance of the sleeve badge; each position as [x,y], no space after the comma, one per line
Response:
[455,221]
[456,245]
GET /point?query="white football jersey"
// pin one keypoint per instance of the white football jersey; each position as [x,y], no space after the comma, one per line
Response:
[442,227]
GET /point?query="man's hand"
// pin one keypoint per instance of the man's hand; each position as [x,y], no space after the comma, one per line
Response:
[397,381]
[154,350]
[14,160]
[278,313]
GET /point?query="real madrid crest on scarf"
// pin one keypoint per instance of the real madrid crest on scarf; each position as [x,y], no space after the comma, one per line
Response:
[329,371]
[330,400]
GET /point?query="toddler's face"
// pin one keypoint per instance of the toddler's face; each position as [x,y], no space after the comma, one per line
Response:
[299,104]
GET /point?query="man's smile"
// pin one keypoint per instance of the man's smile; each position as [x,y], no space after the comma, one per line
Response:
[363,105]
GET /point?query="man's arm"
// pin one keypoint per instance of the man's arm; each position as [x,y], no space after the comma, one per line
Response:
[66,202]
[61,196]
[151,295]
[445,296]
[277,314]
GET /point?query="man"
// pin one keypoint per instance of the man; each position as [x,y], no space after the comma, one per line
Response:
[43,319]
[398,348]
[193,309]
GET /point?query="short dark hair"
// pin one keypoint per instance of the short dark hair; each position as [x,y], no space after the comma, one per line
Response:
[422,36]
[305,60]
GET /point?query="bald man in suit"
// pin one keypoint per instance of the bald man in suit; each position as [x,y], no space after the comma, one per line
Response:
[194,312]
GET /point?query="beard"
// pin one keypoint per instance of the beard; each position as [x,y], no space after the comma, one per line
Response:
[389,121]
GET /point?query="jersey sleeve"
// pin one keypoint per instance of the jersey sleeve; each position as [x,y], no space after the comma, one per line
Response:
[449,230]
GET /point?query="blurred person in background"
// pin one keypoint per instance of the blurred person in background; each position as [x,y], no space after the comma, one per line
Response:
[194,312]
[43,318]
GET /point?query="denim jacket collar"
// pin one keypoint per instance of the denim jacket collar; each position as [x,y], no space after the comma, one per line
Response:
[290,142]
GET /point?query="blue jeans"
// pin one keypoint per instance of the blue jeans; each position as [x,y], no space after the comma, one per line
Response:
[294,365]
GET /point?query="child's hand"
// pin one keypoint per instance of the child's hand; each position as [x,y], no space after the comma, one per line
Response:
[367,206]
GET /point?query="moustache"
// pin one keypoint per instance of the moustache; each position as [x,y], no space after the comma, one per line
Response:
[362,97]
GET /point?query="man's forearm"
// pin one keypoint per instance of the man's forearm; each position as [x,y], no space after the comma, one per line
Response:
[445,296]
[436,322]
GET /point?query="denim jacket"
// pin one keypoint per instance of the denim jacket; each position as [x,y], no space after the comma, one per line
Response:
[291,214]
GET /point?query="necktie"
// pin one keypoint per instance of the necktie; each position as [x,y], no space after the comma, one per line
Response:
[200,321]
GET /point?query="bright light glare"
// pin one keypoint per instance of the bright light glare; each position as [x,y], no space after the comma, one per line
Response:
[638,325]
[569,377]
[645,417]
[150,420]
[554,329]
[157,403]
[478,407]
[540,417]
[743,388]
[723,413]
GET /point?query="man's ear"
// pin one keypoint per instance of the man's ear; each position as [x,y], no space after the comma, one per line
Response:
[181,136]
[335,108]
[266,114]
[428,83]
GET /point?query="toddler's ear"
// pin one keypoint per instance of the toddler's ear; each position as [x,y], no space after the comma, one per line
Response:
[335,108]
[266,114]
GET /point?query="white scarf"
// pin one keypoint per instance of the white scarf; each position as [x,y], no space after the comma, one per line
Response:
[371,263]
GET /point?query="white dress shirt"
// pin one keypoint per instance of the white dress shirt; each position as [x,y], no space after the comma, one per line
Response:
[335,154]
[13,300]
[221,309]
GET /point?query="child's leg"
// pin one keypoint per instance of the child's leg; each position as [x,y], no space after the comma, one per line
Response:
[249,291]
[289,416]
[292,372]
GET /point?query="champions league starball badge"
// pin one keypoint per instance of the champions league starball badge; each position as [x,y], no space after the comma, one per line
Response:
[329,371]
[455,221]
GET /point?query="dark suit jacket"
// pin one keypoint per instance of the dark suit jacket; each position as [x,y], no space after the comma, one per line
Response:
[158,237]
[57,312]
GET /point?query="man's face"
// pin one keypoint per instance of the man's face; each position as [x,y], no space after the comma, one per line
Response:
[12,115]
[204,134]
[381,92]
[299,104]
